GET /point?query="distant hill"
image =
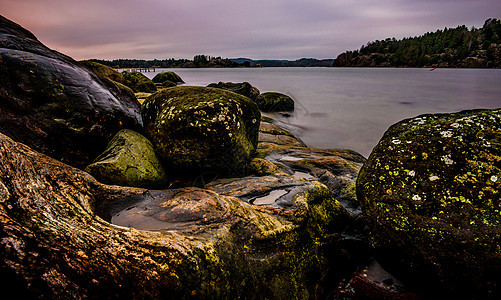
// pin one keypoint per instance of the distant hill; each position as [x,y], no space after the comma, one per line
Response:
[303,62]
[458,47]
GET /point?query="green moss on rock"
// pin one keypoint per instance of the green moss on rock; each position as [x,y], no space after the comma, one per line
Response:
[104,71]
[138,82]
[273,101]
[167,76]
[430,191]
[129,160]
[198,128]
[242,88]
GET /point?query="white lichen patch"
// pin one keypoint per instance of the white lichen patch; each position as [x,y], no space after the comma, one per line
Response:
[446,134]
[434,177]
[494,178]
[412,173]
[396,141]
[447,159]
[416,198]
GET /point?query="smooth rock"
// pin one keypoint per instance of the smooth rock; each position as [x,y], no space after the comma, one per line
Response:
[242,88]
[138,82]
[129,160]
[167,76]
[272,101]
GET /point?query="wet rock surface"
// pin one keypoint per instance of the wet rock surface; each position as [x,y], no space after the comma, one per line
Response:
[138,82]
[129,160]
[54,105]
[198,129]
[167,76]
[430,192]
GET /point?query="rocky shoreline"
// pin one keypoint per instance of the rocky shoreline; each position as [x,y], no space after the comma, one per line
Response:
[190,193]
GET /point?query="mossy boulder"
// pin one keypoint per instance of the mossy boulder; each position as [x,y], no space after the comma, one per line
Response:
[104,71]
[430,193]
[167,76]
[272,101]
[168,84]
[138,82]
[129,160]
[199,128]
[242,88]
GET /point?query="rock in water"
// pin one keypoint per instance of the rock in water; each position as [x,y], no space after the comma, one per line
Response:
[430,192]
[242,88]
[51,103]
[199,128]
[167,76]
[129,160]
[273,101]
[104,71]
[138,82]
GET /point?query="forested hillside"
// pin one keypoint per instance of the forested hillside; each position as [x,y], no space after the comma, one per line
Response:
[458,47]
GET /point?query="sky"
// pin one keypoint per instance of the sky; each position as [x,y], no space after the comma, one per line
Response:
[257,29]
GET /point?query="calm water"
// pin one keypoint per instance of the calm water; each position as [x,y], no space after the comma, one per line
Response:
[352,107]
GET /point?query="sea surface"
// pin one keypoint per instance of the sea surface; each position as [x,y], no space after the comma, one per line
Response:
[351,108]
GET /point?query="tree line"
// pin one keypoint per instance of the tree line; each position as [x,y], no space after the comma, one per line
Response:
[450,47]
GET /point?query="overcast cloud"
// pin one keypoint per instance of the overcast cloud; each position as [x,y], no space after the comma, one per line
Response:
[258,29]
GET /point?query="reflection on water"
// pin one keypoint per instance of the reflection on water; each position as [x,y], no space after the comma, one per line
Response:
[352,107]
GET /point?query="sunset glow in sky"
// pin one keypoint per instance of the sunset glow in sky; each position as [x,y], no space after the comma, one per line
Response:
[258,29]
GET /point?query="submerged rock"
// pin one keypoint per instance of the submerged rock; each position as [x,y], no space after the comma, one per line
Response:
[129,160]
[272,101]
[53,104]
[138,82]
[167,76]
[430,193]
[242,88]
[196,129]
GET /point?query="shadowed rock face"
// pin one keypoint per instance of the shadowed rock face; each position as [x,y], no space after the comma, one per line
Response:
[242,88]
[51,103]
[430,193]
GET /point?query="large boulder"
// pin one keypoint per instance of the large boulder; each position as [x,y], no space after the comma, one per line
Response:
[430,193]
[66,236]
[138,82]
[104,71]
[242,88]
[129,160]
[167,76]
[273,101]
[199,128]
[53,104]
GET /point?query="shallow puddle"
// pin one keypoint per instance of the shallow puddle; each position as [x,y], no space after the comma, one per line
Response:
[270,198]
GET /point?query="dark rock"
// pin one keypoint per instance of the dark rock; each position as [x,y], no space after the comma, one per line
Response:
[167,76]
[129,160]
[430,193]
[51,103]
[197,129]
[242,88]
[272,101]
[196,243]
[138,82]
[167,84]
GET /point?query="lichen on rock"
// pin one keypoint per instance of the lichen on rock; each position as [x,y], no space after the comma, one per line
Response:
[430,193]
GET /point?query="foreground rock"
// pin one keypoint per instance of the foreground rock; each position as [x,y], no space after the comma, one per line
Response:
[242,88]
[138,82]
[198,129]
[430,192]
[53,104]
[129,160]
[195,243]
[272,101]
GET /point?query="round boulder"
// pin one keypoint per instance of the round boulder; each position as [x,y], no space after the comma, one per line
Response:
[198,128]
[170,76]
[273,101]
[430,193]
[129,160]
[242,88]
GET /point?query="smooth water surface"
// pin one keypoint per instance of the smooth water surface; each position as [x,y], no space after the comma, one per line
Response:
[352,107]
